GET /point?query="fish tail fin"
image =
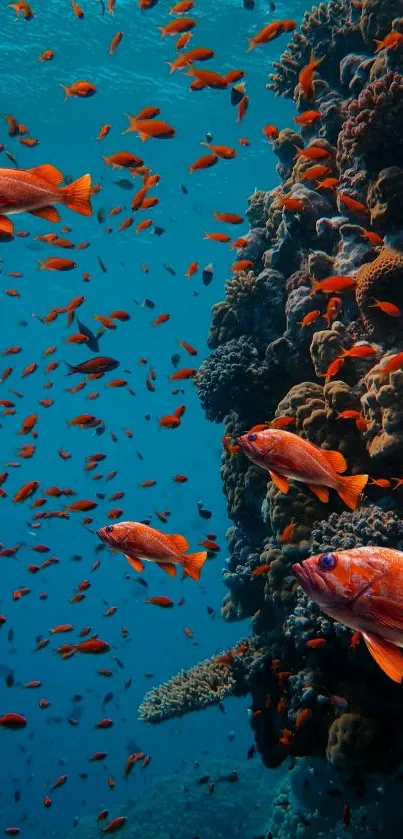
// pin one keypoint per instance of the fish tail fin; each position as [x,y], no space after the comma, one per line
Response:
[77,196]
[66,90]
[387,656]
[162,30]
[350,489]
[193,563]
[71,368]
[379,45]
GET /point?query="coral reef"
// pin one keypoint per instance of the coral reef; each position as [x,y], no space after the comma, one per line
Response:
[315,690]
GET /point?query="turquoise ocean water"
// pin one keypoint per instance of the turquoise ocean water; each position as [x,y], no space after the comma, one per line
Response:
[136,76]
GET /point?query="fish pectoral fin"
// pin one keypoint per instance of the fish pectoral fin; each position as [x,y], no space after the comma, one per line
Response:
[6,226]
[279,481]
[168,568]
[49,173]
[336,460]
[178,542]
[321,492]
[386,612]
[136,563]
[387,656]
[49,213]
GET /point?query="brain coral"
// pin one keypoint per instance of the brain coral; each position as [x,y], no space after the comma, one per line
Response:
[352,743]
[381,279]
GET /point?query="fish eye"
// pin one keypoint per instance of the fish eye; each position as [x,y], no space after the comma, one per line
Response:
[252,438]
[109,528]
[327,561]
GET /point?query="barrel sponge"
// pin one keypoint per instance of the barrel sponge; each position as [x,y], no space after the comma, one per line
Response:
[381,279]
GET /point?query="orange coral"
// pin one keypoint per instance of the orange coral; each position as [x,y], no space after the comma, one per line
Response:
[381,280]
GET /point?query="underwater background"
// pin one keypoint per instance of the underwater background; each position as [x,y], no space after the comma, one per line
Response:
[226,771]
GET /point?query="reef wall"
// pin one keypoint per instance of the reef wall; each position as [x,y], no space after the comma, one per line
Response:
[277,345]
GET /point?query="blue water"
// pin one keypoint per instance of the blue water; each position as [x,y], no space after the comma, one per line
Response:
[135,76]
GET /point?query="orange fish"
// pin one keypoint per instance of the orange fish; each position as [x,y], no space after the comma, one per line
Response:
[286,456]
[309,318]
[104,131]
[393,363]
[352,203]
[228,218]
[124,159]
[161,319]
[332,310]
[270,32]
[334,283]
[218,237]
[77,9]
[192,270]
[204,162]
[390,41]
[184,373]
[313,153]
[141,543]
[261,569]
[189,349]
[36,190]
[165,602]
[24,7]
[317,171]
[362,589]
[225,152]
[157,128]
[387,308]
[176,27]
[56,263]
[82,89]
[307,117]
[270,131]
[115,42]
[293,205]
[26,491]
[306,76]
[360,351]
[208,78]
[47,55]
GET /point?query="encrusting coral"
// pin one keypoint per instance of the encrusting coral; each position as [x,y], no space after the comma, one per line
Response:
[380,280]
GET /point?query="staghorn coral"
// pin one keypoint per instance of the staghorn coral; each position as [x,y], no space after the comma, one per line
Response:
[381,280]
[382,405]
[369,525]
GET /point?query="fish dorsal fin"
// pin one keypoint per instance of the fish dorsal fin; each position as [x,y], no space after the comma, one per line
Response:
[321,492]
[178,542]
[386,612]
[168,568]
[336,460]
[387,656]
[49,213]
[279,481]
[49,173]
[136,563]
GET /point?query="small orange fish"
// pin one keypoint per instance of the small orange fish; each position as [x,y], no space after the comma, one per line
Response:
[225,152]
[310,318]
[115,42]
[333,308]
[306,76]
[184,373]
[176,27]
[82,89]
[204,162]
[387,308]
[261,569]
[47,55]
[270,131]
[360,351]
[308,117]
[333,283]
[390,41]
[161,319]
[270,32]
[393,363]
[352,203]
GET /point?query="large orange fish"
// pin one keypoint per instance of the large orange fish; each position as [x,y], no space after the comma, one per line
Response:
[141,543]
[36,190]
[285,455]
[362,588]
